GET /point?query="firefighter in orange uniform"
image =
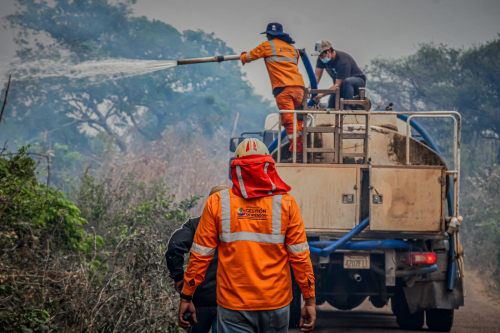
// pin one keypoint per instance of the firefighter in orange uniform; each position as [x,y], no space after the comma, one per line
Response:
[258,230]
[281,60]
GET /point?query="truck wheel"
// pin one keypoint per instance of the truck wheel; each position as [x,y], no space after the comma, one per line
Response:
[378,302]
[295,305]
[439,320]
[405,319]
[345,302]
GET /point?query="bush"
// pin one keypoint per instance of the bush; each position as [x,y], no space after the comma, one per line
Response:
[98,269]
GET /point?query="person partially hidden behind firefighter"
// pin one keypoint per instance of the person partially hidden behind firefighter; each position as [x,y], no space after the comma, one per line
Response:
[281,60]
[342,68]
[257,229]
[205,298]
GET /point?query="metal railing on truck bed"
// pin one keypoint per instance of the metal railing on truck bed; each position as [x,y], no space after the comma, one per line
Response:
[340,136]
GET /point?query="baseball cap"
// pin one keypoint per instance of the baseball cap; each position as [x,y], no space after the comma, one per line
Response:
[320,46]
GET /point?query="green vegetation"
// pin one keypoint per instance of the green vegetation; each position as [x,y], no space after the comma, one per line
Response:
[26,201]
[97,269]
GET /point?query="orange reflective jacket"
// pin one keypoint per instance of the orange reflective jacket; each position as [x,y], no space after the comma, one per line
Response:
[281,61]
[257,239]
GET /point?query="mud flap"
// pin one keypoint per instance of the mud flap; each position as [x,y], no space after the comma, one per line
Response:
[433,295]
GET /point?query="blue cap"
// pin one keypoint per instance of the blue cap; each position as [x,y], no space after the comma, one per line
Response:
[275,29]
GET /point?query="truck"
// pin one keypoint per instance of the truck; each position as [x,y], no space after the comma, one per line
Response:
[380,207]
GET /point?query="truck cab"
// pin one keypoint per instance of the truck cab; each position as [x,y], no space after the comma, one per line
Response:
[380,207]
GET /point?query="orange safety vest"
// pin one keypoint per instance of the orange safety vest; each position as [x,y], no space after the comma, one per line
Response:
[281,61]
[257,240]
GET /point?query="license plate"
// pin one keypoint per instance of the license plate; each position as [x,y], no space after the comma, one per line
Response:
[357,261]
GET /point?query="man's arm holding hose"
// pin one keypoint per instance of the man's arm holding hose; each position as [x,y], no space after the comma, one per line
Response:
[202,251]
[298,255]
[261,51]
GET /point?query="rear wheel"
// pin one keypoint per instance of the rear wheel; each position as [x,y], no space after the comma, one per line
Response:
[405,319]
[340,293]
[378,302]
[345,302]
[439,320]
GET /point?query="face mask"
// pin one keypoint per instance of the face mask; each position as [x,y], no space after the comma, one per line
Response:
[325,60]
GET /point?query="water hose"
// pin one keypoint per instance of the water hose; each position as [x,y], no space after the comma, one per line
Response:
[272,147]
[310,74]
[406,273]
[430,142]
[344,239]
[366,245]
[207,59]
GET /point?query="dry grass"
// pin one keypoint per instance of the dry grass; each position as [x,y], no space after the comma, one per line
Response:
[191,168]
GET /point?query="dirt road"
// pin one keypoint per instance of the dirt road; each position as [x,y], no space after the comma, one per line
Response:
[478,315]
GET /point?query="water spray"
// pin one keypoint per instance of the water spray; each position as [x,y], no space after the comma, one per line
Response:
[102,70]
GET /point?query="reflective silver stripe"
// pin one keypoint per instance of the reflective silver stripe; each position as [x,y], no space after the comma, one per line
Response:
[252,237]
[265,171]
[291,135]
[202,250]
[297,248]
[240,180]
[225,210]
[275,56]
[275,59]
[273,48]
[248,56]
[277,214]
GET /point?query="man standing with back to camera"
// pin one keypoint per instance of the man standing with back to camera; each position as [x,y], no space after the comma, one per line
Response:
[205,298]
[257,229]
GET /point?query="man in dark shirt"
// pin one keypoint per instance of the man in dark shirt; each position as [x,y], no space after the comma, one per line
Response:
[342,68]
[205,297]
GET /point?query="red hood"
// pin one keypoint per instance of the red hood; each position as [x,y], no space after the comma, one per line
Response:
[255,176]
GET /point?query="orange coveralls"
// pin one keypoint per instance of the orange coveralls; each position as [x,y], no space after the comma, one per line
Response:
[281,61]
[257,240]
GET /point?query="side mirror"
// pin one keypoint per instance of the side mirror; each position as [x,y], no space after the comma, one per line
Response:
[234,143]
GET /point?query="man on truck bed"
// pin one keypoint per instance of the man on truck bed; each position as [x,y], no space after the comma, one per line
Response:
[205,298]
[258,231]
[281,60]
[343,70]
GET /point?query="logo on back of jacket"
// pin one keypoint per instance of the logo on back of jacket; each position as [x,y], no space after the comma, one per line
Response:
[252,213]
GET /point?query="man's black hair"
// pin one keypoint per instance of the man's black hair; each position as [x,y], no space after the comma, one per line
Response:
[285,38]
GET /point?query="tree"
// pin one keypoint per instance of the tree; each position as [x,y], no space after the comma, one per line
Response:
[438,77]
[197,98]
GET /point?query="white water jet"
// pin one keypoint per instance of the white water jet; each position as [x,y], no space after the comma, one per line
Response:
[97,71]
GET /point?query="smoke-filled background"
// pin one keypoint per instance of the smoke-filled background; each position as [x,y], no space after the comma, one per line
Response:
[96,172]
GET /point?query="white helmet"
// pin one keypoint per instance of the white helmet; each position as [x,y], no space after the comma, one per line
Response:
[251,147]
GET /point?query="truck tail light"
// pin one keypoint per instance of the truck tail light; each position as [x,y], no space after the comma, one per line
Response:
[419,258]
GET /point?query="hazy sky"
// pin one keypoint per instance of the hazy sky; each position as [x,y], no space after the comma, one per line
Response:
[363,28]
